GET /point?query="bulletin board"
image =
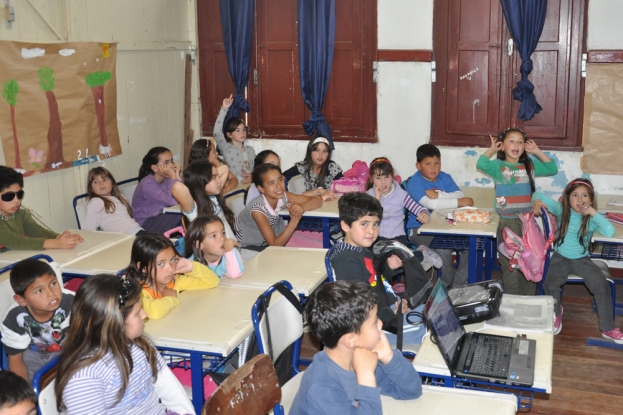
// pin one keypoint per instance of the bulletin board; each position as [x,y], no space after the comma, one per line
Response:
[603,119]
[59,104]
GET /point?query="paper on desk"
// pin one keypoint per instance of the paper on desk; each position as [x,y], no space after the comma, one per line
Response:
[614,202]
[524,313]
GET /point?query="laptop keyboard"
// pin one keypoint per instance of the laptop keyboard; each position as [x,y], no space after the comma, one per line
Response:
[489,356]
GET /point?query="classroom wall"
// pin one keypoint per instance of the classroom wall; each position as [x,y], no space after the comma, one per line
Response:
[153,38]
[404,101]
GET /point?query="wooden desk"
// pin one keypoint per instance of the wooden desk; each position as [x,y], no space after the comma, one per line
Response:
[434,400]
[94,242]
[327,214]
[302,267]
[207,322]
[110,260]
[439,225]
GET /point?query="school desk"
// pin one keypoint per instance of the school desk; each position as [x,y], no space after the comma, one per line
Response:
[325,219]
[302,267]
[434,400]
[110,260]
[94,242]
[429,361]
[209,322]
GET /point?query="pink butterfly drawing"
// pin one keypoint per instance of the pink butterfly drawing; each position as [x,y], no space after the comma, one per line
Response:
[35,157]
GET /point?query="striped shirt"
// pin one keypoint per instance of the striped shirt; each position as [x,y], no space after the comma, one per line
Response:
[93,389]
[247,231]
[394,203]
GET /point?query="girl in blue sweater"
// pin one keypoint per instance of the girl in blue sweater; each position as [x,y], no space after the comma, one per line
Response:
[578,219]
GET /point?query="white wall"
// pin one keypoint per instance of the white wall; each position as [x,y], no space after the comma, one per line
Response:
[153,38]
[404,101]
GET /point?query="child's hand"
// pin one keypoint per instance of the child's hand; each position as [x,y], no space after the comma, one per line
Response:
[168,292]
[383,350]
[228,101]
[296,211]
[495,144]
[531,147]
[247,179]
[327,195]
[537,205]
[588,210]
[394,262]
[378,193]
[431,194]
[230,244]
[67,240]
[364,365]
[183,266]
[423,217]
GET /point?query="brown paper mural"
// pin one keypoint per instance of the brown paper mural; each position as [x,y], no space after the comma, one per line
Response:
[59,104]
[603,119]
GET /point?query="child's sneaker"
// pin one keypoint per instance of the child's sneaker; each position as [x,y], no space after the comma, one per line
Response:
[430,257]
[615,334]
[558,323]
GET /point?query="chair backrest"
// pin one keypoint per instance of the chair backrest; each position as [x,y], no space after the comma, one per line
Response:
[127,188]
[80,208]
[251,390]
[296,184]
[47,400]
[327,264]
[235,202]
[285,320]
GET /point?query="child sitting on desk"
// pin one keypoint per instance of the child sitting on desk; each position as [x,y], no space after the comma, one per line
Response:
[357,364]
[34,327]
[434,189]
[18,230]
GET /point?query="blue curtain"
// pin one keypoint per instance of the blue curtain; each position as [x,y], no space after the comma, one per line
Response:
[237,24]
[316,41]
[525,20]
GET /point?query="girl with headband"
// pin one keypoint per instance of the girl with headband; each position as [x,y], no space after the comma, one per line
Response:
[578,218]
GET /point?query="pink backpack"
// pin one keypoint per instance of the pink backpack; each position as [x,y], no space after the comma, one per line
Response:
[354,179]
[527,253]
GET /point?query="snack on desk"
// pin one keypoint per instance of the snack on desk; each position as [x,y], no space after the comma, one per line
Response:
[471,216]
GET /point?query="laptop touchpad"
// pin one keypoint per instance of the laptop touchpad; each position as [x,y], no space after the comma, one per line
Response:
[521,361]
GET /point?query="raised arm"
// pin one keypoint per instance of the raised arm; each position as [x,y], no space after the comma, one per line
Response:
[182,195]
[307,202]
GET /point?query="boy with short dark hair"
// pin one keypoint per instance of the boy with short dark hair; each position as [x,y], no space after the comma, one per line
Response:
[18,230]
[34,327]
[357,364]
[16,395]
[353,260]
[434,189]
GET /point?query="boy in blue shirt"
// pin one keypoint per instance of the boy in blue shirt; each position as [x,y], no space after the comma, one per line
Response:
[357,364]
[434,189]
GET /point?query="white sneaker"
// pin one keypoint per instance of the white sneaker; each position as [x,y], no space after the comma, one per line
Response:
[430,256]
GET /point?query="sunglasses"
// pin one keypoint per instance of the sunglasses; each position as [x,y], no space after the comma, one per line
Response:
[9,196]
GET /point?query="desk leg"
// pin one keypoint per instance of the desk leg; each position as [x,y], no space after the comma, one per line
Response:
[196,373]
[326,234]
[488,257]
[473,255]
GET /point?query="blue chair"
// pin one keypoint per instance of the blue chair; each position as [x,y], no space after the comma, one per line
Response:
[574,279]
[126,187]
[279,324]
[327,264]
[47,397]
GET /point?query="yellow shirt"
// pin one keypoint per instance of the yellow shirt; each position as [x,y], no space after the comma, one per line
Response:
[201,277]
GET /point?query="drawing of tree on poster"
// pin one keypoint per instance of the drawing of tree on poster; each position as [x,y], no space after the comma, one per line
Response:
[67,112]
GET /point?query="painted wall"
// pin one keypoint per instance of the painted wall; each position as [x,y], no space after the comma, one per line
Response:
[153,38]
[404,101]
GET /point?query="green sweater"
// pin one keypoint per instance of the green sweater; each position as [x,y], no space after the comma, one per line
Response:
[22,232]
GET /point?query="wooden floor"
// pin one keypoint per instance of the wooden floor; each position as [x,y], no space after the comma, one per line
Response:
[585,379]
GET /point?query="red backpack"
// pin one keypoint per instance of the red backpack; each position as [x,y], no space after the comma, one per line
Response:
[527,253]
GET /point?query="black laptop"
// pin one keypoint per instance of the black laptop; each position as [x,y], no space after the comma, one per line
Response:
[478,356]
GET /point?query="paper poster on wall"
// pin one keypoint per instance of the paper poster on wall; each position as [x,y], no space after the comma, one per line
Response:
[59,104]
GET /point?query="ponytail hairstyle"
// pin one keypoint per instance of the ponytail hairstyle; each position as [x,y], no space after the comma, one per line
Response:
[380,166]
[566,211]
[199,150]
[109,206]
[97,328]
[308,164]
[523,158]
[196,234]
[150,159]
[145,250]
[196,176]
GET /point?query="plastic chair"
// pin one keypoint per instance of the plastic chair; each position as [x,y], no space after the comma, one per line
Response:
[235,201]
[574,279]
[327,264]
[296,184]
[127,188]
[279,324]
[251,390]
[80,208]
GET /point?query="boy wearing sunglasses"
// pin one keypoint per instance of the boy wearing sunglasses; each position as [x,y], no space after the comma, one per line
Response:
[18,230]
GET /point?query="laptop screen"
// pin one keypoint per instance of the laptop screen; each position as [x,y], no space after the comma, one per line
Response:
[444,322]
